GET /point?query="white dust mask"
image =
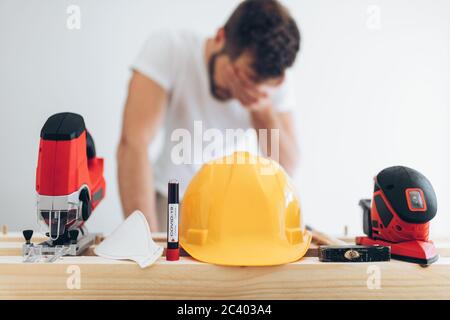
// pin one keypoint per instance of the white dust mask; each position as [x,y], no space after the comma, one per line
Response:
[132,240]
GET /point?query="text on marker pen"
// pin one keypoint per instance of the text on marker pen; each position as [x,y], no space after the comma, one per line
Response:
[173,250]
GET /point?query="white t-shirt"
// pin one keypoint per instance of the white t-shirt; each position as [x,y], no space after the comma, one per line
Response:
[176,61]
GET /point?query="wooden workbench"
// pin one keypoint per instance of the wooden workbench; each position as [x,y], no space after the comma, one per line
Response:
[91,277]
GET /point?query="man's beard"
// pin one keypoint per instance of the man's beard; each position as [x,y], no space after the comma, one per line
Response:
[217,92]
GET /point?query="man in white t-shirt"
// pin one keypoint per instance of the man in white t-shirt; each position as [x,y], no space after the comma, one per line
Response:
[183,82]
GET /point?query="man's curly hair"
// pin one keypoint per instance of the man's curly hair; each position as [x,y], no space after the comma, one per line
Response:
[267,30]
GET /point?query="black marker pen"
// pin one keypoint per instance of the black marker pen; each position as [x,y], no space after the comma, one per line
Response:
[173,250]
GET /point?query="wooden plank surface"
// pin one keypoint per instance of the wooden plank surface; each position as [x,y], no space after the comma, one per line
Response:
[18,237]
[15,249]
[190,279]
[11,244]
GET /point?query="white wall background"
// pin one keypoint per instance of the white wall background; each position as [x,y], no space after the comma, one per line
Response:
[374,91]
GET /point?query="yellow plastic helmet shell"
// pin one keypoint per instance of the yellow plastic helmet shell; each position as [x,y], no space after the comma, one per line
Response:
[241,210]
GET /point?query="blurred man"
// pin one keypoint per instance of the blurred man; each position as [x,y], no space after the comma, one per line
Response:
[234,80]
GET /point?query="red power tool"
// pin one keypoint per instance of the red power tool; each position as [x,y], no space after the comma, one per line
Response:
[69,183]
[403,203]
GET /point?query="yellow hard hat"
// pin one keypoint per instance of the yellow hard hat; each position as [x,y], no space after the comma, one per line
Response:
[241,210]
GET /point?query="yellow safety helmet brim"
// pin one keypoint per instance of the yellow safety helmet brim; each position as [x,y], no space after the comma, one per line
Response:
[248,252]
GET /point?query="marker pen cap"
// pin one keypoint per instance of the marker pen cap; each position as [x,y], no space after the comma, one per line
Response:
[173,254]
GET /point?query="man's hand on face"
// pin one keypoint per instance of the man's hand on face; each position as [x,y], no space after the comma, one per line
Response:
[246,91]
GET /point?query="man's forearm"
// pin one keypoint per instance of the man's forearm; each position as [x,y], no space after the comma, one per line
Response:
[136,183]
[288,149]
